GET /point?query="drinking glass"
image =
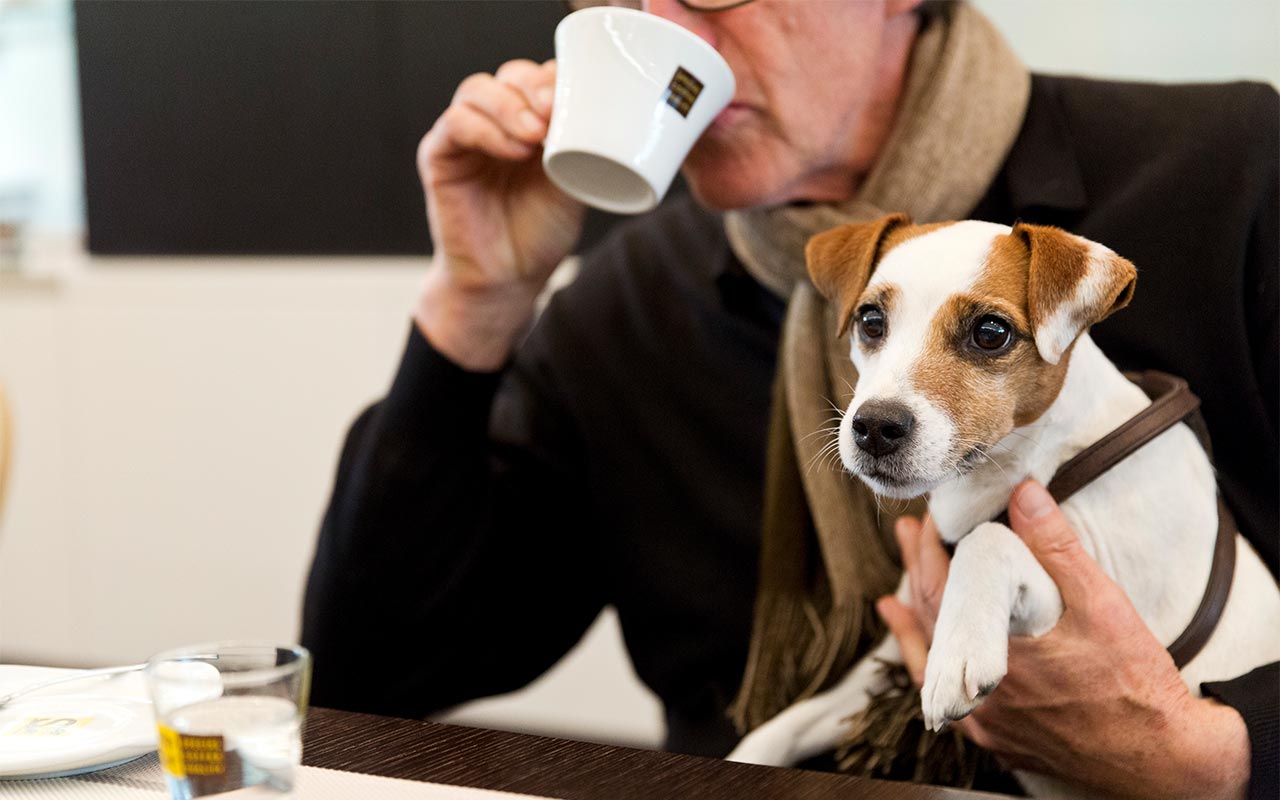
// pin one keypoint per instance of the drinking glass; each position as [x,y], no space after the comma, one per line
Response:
[230,717]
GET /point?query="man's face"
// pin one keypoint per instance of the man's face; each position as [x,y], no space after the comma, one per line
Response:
[807,80]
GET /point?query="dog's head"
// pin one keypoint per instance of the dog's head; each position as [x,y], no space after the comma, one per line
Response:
[960,331]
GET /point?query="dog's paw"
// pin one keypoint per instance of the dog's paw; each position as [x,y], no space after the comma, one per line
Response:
[769,745]
[965,665]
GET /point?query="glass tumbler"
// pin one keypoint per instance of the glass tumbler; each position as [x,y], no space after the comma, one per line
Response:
[230,717]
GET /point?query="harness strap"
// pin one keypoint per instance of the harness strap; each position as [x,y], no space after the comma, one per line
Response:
[1172,402]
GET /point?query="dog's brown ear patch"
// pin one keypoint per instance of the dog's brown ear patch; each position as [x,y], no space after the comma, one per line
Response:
[840,261]
[1071,284]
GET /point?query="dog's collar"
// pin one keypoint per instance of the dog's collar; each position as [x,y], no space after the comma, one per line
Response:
[1172,401]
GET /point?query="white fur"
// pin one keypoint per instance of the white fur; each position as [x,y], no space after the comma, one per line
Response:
[1150,522]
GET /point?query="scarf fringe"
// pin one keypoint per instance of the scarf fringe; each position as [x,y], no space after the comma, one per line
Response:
[798,651]
[888,740]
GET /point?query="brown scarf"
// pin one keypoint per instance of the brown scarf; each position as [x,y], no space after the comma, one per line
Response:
[827,551]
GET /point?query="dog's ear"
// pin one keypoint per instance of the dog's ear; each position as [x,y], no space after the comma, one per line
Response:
[840,261]
[1071,284]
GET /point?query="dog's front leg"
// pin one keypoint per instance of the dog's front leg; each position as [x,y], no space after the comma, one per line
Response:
[995,587]
[818,724]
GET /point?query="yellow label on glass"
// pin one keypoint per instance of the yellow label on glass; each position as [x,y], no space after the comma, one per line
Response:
[47,726]
[171,752]
[182,755]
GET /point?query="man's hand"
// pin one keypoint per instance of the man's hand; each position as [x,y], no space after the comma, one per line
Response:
[498,225]
[1097,701]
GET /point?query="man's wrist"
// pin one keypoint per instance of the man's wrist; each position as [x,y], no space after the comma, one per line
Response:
[1215,746]
[475,327]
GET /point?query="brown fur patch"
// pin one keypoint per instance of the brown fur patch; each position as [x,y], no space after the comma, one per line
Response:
[1034,384]
[841,260]
[1004,277]
[988,396]
[971,393]
[1059,260]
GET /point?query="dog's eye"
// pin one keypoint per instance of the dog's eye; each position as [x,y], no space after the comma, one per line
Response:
[870,323]
[992,333]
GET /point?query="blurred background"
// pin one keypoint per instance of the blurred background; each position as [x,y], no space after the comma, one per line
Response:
[211,232]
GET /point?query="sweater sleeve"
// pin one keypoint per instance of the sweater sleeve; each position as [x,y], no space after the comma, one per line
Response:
[453,560]
[1256,695]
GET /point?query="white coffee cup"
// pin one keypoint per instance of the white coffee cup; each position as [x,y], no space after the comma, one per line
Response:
[633,93]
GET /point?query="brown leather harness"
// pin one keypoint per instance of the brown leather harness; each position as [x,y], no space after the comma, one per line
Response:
[1172,402]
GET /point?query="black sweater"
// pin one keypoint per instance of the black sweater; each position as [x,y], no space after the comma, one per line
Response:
[479,522]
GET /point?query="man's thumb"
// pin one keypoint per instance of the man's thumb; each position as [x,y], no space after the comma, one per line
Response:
[1036,518]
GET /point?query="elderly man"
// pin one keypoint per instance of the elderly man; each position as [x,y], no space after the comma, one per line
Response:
[515,479]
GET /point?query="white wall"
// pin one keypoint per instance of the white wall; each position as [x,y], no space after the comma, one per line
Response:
[177,426]
[178,419]
[1160,40]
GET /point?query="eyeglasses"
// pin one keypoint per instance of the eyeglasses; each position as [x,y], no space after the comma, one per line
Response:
[692,5]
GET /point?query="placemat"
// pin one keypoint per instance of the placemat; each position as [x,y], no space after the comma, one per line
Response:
[142,780]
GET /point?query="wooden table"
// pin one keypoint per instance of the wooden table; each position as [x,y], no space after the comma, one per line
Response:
[486,759]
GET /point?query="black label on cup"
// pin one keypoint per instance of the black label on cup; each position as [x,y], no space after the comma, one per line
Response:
[682,91]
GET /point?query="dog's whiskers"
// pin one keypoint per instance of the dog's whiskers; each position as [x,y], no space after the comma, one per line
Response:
[1020,435]
[979,444]
[832,429]
[834,407]
[824,457]
[982,449]
[879,507]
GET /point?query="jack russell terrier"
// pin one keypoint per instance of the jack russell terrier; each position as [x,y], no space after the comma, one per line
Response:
[974,373]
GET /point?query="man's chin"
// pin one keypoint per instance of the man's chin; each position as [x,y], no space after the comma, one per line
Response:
[725,195]
[724,175]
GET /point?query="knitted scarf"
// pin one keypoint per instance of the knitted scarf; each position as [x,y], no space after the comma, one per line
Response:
[827,550]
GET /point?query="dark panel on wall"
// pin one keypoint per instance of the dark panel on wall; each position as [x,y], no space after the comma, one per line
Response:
[277,127]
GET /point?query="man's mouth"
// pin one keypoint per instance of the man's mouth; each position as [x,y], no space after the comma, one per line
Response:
[729,116]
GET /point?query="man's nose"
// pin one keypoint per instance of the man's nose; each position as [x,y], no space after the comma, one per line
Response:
[882,426]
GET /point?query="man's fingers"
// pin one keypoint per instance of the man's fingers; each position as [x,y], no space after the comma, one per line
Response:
[545,94]
[934,560]
[973,731]
[505,104]
[910,634]
[1036,518]
[462,129]
[929,579]
[907,531]
[926,563]
[536,82]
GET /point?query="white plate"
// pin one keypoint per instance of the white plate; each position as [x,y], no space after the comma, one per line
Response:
[72,727]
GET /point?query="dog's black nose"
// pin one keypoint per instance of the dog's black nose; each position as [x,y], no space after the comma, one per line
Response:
[881,426]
